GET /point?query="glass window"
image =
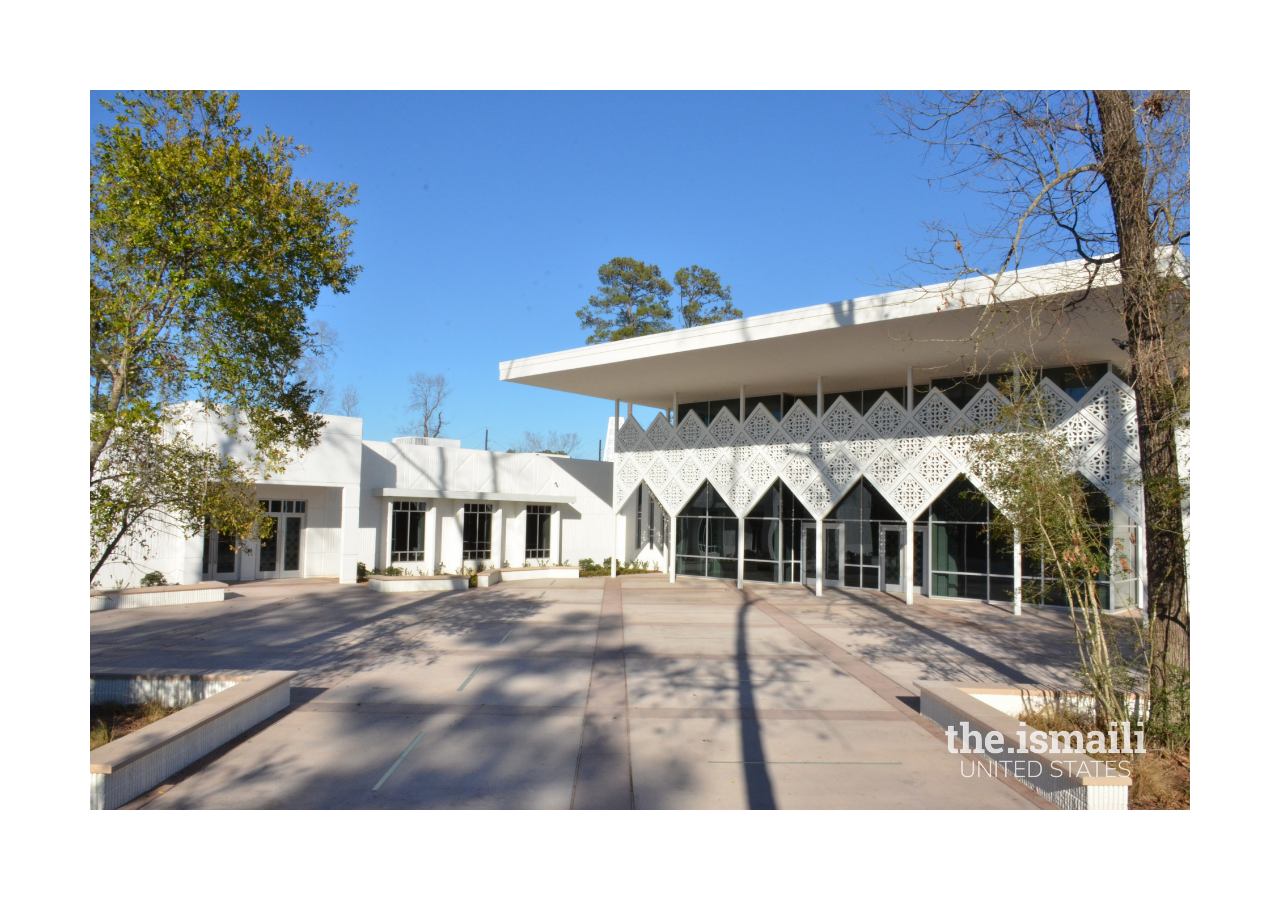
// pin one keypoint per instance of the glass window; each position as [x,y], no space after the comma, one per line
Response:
[707,536]
[477,526]
[772,404]
[408,531]
[537,532]
[861,511]
[1076,381]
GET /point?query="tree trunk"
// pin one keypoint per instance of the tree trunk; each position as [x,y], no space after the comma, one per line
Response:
[1146,294]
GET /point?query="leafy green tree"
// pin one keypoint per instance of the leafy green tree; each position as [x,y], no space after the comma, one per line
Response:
[703,299]
[631,301]
[206,255]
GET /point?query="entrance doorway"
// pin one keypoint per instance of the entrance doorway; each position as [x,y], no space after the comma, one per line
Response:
[893,556]
[280,555]
[832,554]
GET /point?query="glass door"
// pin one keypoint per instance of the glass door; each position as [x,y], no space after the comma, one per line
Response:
[892,553]
[832,553]
[280,554]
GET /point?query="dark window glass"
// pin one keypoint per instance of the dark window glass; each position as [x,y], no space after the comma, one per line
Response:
[769,506]
[288,506]
[408,531]
[300,506]
[1001,551]
[707,528]
[292,543]
[699,409]
[537,532]
[267,551]
[1002,589]
[713,410]
[226,551]
[975,549]
[772,403]
[477,523]
[1076,381]
[208,530]
[811,401]
[755,570]
[691,565]
[961,502]
[869,398]
[276,506]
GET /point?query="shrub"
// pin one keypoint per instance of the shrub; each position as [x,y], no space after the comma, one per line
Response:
[152,579]
[362,572]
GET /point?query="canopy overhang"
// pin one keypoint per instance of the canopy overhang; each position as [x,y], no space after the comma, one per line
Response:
[1061,314]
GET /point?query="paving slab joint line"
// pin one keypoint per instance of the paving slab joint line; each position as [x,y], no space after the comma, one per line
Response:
[883,686]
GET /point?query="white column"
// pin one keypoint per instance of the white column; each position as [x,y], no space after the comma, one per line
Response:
[1143,600]
[742,403]
[497,536]
[350,534]
[388,519]
[909,569]
[742,548]
[628,410]
[821,404]
[675,407]
[911,390]
[555,535]
[431,539]
[671,551]
[819,563]
[1017,574]
[613,494]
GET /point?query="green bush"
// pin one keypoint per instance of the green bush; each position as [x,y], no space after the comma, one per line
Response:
[362,572]
[152,579]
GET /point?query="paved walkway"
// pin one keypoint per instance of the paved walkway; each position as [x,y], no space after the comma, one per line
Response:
[595,693]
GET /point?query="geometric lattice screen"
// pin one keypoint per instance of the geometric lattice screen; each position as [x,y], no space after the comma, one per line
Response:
[910,458]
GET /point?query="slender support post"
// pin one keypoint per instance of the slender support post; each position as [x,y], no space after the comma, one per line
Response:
[821,404]
[911,390]
[432,538]
[386,546]
[613,494]
[1140,564]
[742,549]
[555,535]
[628,410]
[497,540]
[909,576]
[675,406]
[671,551]
[1017,573]
[819,563]
[742,403]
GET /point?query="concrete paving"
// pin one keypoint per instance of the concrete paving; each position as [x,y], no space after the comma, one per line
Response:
[596,693]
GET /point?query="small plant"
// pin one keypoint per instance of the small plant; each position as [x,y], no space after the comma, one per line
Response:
[393,570]
[152,579]
[362,572]
[439,570]
[506,565]
[527,563]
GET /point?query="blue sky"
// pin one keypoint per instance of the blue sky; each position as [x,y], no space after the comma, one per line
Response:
[483,218]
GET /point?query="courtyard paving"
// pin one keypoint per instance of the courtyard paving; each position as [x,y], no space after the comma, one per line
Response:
[594,693]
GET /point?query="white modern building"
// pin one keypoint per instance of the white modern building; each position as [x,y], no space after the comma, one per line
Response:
[827,445]
[419,504]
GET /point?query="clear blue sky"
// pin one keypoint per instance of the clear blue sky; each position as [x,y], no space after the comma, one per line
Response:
[483,218]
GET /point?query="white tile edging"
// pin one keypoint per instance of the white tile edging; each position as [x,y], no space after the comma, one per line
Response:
[525,573]
[137,762]
[394,584]
[949,704]
[133,599]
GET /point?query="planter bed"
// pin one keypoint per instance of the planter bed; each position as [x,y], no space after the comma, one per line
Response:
[1069,779]
[524,573]
[419,582]
[137,762]
[163,595]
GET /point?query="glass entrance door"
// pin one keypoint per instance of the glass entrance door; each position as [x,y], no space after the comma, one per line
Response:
[280,554]
[893,553]
[832,553]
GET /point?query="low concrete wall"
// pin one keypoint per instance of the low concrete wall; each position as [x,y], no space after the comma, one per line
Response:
[419,582]
[1070,780]
[131,686]
[525,573]
[135,763]
[164,595]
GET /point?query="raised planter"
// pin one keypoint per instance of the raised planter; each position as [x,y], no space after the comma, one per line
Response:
[1069,779]
[164,595]
[524,573]
[419,582]
[137,762]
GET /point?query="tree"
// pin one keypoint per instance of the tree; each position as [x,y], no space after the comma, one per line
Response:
[1101,177]
[314,366]
[551,442]
[206,255]
[698,287]
[427,394]
[631,301]
[349,402]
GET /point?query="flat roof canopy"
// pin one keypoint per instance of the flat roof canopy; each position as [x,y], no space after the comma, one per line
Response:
[477,496]
[869,342]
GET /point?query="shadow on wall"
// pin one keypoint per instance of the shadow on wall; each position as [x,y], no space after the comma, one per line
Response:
[595,476]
